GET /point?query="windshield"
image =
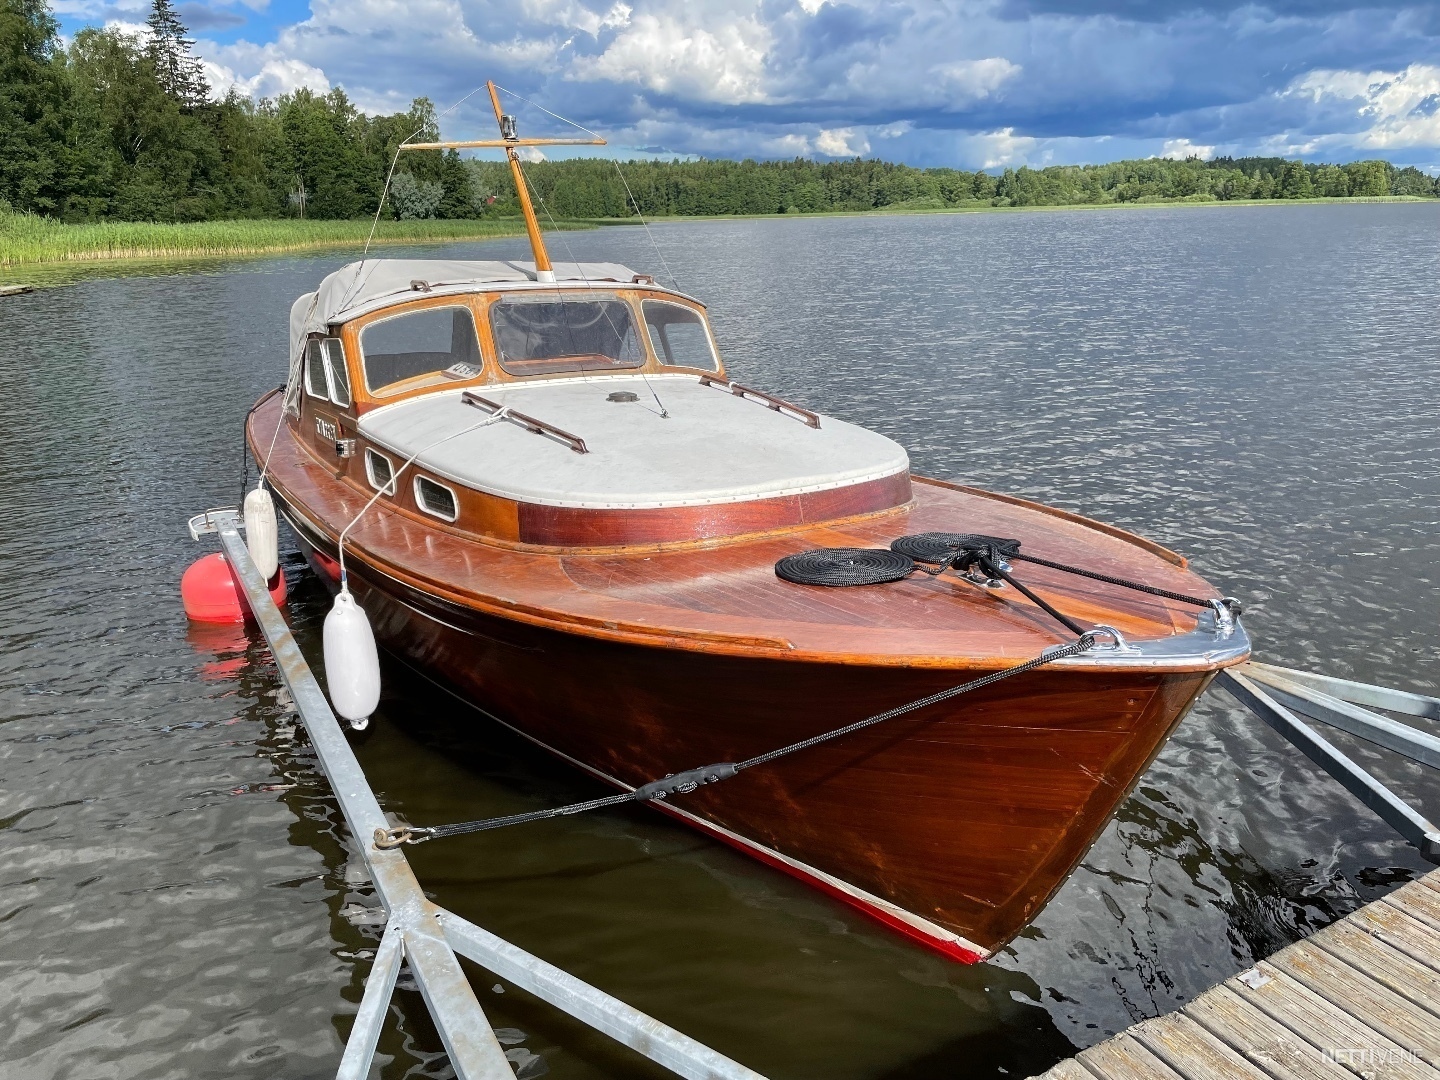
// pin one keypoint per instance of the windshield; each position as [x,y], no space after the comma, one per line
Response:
[541,337]
[400,352]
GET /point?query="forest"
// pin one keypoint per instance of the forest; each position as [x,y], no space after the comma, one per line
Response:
[123,127]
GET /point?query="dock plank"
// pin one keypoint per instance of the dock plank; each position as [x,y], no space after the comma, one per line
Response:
[1388,966]
[1265,1042]
[1417,900]
[1400,931]
[1069,1069]
[1122,1058]
[1305,1012]
[1359,998]
[1192,1051]
[1363,998]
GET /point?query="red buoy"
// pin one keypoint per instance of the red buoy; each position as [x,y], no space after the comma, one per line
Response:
[326,565]
[211,593]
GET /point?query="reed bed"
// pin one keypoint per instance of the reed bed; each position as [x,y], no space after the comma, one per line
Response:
[28,239]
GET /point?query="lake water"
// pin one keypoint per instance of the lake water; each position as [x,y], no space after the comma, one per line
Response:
[1254,387]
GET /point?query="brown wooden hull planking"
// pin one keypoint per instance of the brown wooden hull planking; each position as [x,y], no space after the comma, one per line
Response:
[953,826]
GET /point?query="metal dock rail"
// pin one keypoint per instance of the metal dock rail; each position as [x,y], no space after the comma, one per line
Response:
[422,934]
[1359,998]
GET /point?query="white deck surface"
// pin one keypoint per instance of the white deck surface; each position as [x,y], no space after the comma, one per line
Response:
[713,448]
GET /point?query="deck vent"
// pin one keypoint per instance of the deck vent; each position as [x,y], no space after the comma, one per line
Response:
[838,567]
[623,395]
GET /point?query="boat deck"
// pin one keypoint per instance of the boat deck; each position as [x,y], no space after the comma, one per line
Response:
[709,446]
[1358,998]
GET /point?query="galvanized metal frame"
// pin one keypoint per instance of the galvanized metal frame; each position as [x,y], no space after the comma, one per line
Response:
[1331,709]
[1243,683]
[421,933]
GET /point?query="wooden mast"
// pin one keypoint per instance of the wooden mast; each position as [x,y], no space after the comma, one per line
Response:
[508,141]
[543,270]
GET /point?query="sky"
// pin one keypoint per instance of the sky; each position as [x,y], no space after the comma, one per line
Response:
[965,83]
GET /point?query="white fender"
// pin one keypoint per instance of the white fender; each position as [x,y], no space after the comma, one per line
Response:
[352,664]
[261,535]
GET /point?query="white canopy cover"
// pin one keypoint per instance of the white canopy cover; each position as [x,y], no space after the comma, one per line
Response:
[372,283]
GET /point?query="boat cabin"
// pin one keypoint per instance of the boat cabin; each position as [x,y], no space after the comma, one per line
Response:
[586,406]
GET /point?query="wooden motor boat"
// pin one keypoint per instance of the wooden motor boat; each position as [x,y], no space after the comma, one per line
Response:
[576,526]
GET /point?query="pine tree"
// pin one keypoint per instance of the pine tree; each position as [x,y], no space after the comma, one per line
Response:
[179,71]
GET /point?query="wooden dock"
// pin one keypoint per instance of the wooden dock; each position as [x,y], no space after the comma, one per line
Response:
[1358,998]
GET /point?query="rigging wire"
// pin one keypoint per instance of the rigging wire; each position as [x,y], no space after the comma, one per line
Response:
[394,484]
[389,176]
[535,194]
[629,194]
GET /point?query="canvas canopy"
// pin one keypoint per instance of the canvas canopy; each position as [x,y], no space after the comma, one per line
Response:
[364,286]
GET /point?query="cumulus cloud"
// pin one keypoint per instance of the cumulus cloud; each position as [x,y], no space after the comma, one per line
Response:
[1004,147]
[1180,149]
[258,71]
[969,80]
[1399,108]
[973,83]
[682,56]
[841,142]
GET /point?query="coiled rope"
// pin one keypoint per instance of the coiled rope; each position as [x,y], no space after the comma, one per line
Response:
[688,781]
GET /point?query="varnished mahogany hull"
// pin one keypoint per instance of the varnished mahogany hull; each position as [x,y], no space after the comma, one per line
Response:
[954,825]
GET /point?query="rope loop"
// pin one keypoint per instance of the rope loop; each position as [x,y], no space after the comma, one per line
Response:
[386,839]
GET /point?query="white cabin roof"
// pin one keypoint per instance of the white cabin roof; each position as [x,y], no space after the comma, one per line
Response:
[714,447]
[360,287]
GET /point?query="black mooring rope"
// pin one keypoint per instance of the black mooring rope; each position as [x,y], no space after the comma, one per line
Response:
[688,781]
[962,550]
[1094,576]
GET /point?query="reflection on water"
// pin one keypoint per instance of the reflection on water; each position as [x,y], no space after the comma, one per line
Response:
[178,896]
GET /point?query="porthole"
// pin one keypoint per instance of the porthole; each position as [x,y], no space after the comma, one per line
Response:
[380,471]
[435,498]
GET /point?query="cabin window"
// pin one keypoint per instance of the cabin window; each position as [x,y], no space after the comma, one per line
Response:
[316,381]
[415,349]
[542,336]
[435,498]
[335,364]
[679,336]
[325,374]
[380,470]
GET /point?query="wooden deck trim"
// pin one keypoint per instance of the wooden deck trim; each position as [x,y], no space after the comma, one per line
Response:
[1359,998]
[1065,515]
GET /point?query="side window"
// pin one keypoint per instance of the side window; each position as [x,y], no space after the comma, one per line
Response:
[325,374]
[416,349]
[317,382]
[435,498]
[679,336]
[339,377]
[380,471]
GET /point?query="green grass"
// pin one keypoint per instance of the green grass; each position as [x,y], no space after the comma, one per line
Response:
[31,240]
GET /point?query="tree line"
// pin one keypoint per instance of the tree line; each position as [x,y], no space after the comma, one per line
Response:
[581,188]
[119,126]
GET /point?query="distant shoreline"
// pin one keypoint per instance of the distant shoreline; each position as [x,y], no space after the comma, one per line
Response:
[42,244]
[981,208]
